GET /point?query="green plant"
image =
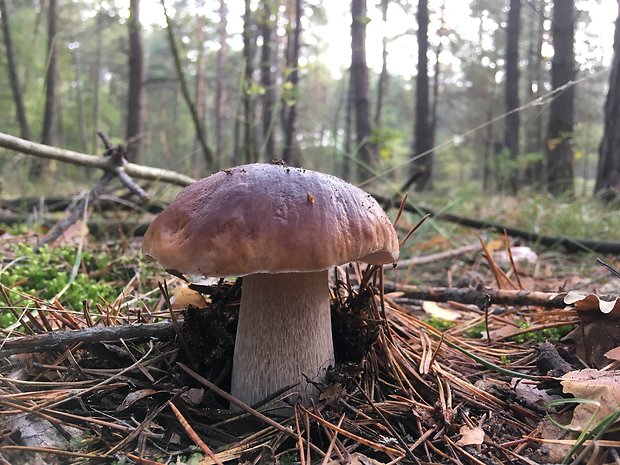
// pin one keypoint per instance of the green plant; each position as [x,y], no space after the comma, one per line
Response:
[476,331]
[439,324]
[49,273]
[542,335]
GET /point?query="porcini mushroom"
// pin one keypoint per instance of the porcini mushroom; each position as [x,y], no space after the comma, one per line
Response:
[280,228]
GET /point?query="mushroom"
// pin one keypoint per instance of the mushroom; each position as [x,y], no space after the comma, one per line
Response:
[281,228]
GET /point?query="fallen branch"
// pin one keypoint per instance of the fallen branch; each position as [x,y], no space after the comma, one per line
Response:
[47,204]
[437,257]
[76,158]
[116,155]
[569,243]
[98,228]
[480,297]
[172,177]
[56,340]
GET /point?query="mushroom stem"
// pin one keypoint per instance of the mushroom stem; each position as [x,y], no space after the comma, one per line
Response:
[284,333]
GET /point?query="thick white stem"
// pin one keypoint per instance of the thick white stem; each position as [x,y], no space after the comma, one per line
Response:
[284,332]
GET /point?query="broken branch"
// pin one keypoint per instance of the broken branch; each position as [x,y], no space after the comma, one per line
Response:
[45,151]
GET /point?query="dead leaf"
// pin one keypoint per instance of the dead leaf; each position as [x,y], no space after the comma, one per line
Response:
[184,296]
[530,393]
[361,459]
[600,386]
[443,313]
[333,393]
[134,397]
[595,336]
[551,452]
[520,254]
[470,436]
[73,235]
[613,354]
[194,395]
[590,302]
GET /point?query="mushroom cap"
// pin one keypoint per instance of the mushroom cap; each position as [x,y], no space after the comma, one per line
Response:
[268,218]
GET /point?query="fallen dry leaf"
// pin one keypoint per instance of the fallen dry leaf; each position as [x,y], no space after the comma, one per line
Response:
[600,386]
[595,336]
[184,296]
[520,254]
[613,354]
[470,436]
[134,397]
[589,302]
[530,393]
[443,313]
[73,235]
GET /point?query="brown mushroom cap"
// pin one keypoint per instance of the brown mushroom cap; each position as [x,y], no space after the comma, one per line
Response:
[266,218]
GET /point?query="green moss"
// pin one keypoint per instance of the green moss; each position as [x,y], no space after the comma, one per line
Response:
[46,273]
[476,331]
[547,334]
[439,324]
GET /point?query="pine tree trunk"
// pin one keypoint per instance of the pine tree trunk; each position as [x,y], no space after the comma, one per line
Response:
[437,73]
[249,45]
[359,84]
[50,111]
[348,131]
[535,170]
[20,109]
[198,167]
[511,96]
[50,116]
[289,105]
[608,169]
[423,167]
[266,78]
[384,76]
[96,77]
[561,117]
[135,99]
[198,122]
[220,95]
[79,101]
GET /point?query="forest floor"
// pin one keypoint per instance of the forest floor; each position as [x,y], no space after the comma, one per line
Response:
[522,378]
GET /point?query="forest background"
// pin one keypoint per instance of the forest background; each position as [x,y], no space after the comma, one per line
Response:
[458,99]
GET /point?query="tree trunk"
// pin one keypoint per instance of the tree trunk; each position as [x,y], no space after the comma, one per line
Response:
[50,116]
[96,76]
[359,84]
[289,104]
[488,154]
[79,101]
[198,123]
[198,167]
[342,100]
[266,79]
[511,96]
[220,96]
[249,45]
[436,74]
[384,76]
[20,109]
[348,130]
[50,112]
[135,99]
[561,117]
[535,170]
[423,167]
[608,169]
